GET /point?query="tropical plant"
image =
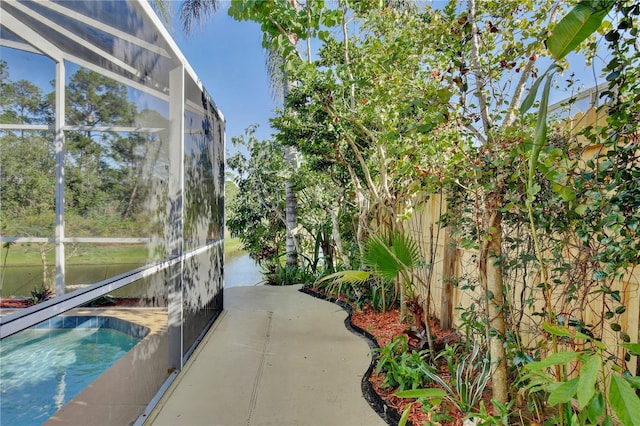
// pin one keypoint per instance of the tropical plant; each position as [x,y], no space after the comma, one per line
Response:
[281,36]
[589,395]
[391,260]
[279,274]
[256,215]
[400,368]
[41,294]
[470,375]
[283,25]
[581,22]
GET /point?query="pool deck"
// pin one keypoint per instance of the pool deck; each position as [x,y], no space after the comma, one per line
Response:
[276,356]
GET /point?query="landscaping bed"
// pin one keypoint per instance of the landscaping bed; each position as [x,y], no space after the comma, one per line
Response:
[380,328]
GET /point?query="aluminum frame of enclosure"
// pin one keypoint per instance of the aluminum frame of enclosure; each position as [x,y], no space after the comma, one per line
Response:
[126,42]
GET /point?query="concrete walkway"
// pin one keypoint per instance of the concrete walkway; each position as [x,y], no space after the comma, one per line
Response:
[276,356]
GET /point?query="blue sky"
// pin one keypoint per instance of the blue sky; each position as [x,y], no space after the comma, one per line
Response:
[229,59]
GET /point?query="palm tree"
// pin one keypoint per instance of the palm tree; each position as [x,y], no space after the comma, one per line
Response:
[196,11]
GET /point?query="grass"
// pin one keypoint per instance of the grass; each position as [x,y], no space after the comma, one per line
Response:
[29,254]
[87,254]
[232,247]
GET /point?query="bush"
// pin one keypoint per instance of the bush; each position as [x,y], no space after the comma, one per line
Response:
[402,370]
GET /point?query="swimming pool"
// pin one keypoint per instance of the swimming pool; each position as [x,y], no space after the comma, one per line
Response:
[44,367]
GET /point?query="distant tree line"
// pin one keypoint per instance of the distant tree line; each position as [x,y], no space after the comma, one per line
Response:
[107,185]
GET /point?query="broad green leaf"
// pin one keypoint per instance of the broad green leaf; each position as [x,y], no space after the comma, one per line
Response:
[565,192]
[595,408]
[558,330]
[324,35]
[541,126]
[421,393]
[624,401]
[633,381]
[541,131]
[558,358]
[444,95]
[615,295]
[587,380]
[533,92]
[579,335]
[563,392]
[634,348]
[582,21]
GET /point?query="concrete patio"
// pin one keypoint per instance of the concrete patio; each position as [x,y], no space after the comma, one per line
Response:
[276,356]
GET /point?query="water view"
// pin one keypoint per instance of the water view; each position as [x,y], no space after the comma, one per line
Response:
[241,270]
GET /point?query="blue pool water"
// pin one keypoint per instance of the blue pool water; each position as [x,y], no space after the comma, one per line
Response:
[41,369]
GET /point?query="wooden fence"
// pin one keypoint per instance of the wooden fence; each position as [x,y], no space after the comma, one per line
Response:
[449,265]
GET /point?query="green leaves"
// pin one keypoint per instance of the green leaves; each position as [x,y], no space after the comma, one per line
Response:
[634,348]
[533,90]
[595,408]
[624,401]
[557,330]
[541,126]
[587,380]
[562,392]
[350,276]
[391,257]
[402,369]
[558,358]
[582,21]
[421,393]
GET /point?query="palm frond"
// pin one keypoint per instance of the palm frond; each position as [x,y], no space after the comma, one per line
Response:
[275,70]
[406,250]
[349,276]
[196,11]
[379,256]
[388,259]
[164,10]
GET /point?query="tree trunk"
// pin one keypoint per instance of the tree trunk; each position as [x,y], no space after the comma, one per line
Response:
[132,197]
[448,278]
[335,231]
[491,258]
[291,210]
[291,218]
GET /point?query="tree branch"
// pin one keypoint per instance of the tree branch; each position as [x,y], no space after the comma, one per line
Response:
[477,71]
[519,92]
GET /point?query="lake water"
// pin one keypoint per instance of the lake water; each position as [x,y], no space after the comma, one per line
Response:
[239,270]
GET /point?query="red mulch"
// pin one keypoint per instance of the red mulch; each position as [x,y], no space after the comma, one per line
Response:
[11,303]
[384,326]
